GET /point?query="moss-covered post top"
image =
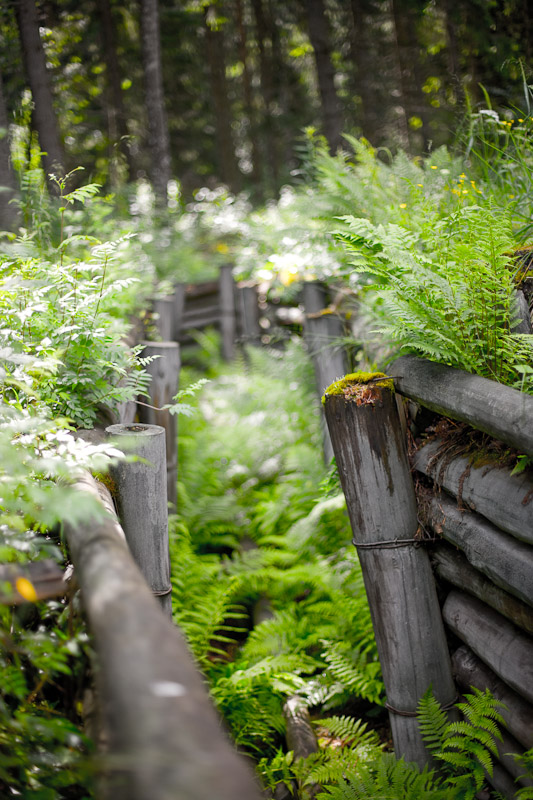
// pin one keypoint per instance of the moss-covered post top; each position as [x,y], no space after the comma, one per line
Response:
[356,385]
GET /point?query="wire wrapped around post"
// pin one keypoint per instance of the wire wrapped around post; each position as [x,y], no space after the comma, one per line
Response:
[371,456]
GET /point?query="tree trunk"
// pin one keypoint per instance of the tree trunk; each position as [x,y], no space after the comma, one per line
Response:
[249,107]
[158,138]
[266,69]
[361,56]
[43,118]
[8,184]
[319,36]
[116,116]
[227,163]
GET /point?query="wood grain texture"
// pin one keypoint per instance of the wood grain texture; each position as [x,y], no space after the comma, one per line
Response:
[141,498]
[165,739]
[504,499]
[500,644]
[506,561]
[498,410]
[453,567]
[375,477]
[469,670]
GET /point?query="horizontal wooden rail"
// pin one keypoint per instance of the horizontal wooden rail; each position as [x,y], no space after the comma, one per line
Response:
[498,410]
[37,580]
[165,738]
[504,499]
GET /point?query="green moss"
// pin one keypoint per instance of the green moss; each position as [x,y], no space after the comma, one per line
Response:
[358,378]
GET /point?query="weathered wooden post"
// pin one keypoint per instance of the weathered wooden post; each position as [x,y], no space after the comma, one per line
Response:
[227,311]
[374,471]
[179,308]
[329,358]
[164,307]
[141,495]
[248,307]
[165,370]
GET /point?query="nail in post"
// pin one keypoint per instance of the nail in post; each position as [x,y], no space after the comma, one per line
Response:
[374,471]
[141,497]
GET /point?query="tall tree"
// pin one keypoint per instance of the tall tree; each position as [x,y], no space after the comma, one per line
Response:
[363,58]
[249,105]
[116,116]
[158,138]
[8,186]
[227,162]
[43,118]
[320,40]
[264,45]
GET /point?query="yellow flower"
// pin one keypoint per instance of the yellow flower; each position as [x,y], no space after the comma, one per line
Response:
[26,589]
[432,167]
[403,205]
[420,184]
[465,191]
[222,247]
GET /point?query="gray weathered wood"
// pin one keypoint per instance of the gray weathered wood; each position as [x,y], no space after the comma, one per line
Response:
[501,645]
[322,331]
[165,370]
[228,328]
[498,410]
[301,738]
[504,499]
[179,310]
[523,324]
[165,739]
[375,477]
[502,782]
[248,314]
[506,561]
[453,567]
[37,580]
[469,671]
[164,307]
[141,496]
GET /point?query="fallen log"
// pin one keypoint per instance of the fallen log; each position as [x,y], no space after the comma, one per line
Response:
[453,567]
[498,410]
[504,499]
[470,671]
[506,561]
[503,647]
[165,739]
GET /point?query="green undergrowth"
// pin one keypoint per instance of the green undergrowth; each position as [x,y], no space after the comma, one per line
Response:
[267,586]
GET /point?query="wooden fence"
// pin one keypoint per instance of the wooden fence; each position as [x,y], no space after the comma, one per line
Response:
[468,543]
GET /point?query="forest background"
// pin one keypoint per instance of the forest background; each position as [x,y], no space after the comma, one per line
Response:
[192,93]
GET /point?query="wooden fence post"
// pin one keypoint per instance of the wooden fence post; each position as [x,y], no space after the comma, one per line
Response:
[164,308]
[163,388]
[179,308]
[329,360]
[365,430]
[227,311]
[250,330]
[141,495]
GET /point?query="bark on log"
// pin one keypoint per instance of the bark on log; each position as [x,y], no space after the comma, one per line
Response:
[374,472]
[38,580]
[163,388]
[321,330]
[141,497]
[227,312]
[503,647]
[498,410]
[300,736]
[165,738]
[454,568]
[470,671]
[504,499]
[502,781]
[504,560]
[523,323]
